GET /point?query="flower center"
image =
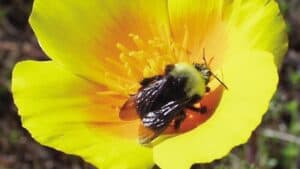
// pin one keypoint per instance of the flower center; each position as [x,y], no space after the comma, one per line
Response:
[149,59]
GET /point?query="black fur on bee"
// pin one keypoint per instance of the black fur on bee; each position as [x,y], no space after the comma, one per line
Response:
[163,99]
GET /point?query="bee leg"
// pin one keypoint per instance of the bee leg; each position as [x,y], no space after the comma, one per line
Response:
[207,89]
[202,109]
[179,119]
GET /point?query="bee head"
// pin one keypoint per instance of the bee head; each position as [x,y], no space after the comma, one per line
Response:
[195,81]
[204,71]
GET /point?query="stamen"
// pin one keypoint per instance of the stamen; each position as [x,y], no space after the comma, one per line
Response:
[108,93]
[122,48]
[137,40]
[185,37]
[148,58]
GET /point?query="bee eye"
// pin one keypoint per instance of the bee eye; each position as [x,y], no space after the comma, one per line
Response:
[208,72]
[169,68]
[199,67]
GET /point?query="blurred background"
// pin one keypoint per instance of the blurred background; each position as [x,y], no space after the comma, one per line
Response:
[274,145]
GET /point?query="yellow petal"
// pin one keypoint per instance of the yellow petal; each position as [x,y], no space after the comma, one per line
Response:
[83,35]
[193,21]
[262,26]
[213,25]
[252,80]
[76,116]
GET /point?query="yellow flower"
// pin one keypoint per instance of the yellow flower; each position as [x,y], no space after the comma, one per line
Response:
[102,49]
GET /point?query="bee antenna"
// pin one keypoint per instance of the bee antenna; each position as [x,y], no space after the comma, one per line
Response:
[215,76]
[204,58]
[219,80]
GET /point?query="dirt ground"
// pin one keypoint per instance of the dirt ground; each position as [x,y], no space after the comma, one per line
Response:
[274,145]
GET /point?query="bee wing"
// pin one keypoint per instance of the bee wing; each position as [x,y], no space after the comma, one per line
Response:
[144,99]
[128,111]
[149,94]
[155,122]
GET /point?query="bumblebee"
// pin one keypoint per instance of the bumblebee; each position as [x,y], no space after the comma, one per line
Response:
[163,99]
